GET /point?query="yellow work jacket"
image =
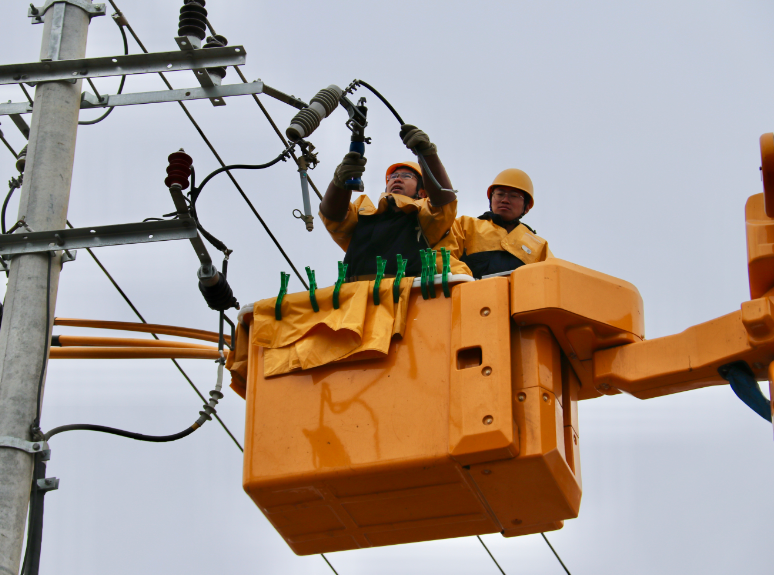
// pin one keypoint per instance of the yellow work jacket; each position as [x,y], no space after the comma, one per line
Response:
[429,224]
[476,243]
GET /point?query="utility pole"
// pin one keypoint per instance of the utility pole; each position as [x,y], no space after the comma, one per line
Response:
[43,206]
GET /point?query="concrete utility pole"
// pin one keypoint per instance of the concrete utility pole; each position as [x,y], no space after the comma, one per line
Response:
[44,199]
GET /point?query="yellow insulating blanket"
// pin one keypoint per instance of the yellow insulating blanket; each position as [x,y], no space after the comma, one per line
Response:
[304,339]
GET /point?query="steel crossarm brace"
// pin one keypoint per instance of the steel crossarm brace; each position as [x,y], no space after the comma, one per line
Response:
[97,236]
[89,100]
[57,70]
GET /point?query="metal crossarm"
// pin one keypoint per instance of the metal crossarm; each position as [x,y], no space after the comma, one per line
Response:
[57,70]
[97,236]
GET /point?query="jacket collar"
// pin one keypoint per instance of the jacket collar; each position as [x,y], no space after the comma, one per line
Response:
[498,220]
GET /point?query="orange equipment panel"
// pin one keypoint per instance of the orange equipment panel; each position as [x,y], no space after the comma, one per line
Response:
[468,426]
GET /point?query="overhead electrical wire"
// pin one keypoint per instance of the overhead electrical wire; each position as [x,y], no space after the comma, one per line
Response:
[490,554]
[269,118]
[174,361]
[556,554]
[214,152]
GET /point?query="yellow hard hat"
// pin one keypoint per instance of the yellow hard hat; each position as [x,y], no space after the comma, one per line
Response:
[410,165]
[514,178]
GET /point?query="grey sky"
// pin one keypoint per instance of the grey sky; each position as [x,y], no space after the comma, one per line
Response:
[639,126]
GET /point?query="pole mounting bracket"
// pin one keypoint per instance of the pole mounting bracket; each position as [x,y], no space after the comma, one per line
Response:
[32,447]
[91,9]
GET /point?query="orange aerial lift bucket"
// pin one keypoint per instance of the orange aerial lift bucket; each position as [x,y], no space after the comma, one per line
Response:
[468,425]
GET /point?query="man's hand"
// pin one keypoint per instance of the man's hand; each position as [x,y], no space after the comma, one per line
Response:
[416,140]
[352,166]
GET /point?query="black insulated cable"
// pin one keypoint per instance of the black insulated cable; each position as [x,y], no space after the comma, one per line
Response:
[195,193]
[13,185]
[425,168]
[120,432]
[31,564]
[120,85]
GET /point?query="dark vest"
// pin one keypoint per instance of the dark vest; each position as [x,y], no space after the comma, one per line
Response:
[387,235]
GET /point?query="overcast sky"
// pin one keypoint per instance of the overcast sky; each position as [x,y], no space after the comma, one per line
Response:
[639,125]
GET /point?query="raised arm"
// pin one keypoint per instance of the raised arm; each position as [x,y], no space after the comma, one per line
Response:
[417,141]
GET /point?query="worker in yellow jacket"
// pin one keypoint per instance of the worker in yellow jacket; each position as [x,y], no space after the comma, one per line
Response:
[498,240]
[411,214]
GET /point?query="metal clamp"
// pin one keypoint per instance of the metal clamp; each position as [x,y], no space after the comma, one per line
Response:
[91,9]
[48,484]
[23,445]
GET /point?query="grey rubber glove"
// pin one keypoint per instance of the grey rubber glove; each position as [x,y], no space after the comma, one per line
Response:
[352,166]
[416,139]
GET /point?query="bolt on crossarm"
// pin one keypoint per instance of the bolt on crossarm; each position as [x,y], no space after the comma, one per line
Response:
[43,206]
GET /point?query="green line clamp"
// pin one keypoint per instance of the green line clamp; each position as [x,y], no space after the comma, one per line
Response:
[428,273]
[339,283]
[423,278]
[381,264]
[398,278]
[284,279]
[312,288]
[446,257]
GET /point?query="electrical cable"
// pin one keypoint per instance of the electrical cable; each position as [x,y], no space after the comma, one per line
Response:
[121,432]
[308,179]
[216,243]
[556,554]
[277,130]
[120,85]
[490,554]
[217,156]
[46,344]
[382,98]
[196,191]
[13,185]
[174,361]
[329,563]
[425,168]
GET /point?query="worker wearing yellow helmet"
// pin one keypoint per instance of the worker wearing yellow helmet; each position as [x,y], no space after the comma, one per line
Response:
[411,214]
[498,241]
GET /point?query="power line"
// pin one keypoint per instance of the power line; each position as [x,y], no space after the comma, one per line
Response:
[556,554]
[329,563]
[490,554]
[215,153]
[142,319]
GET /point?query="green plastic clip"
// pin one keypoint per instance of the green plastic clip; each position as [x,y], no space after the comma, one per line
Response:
[284,278]
[339,283]
[312,288]
[431,254]
[446,257]
[398,278]
[423,279]
[380,265]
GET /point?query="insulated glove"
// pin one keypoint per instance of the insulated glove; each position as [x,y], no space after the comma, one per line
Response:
[416,139]
[352,166]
